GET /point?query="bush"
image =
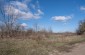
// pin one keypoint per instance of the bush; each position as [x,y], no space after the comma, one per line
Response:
[81,28]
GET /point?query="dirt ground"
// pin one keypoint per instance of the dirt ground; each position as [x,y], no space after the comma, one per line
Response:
[79,49]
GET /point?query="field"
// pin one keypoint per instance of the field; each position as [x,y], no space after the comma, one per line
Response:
[42,27]
[52,45]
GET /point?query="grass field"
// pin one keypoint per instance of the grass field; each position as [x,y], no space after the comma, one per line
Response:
[48,46]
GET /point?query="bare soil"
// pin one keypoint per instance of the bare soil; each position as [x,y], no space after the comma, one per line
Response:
[79,49]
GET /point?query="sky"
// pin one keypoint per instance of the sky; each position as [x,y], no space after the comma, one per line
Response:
[59,15]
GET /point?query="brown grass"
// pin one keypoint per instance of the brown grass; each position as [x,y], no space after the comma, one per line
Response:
[47,46]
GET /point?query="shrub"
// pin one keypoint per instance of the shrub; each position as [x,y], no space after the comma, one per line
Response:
[81,28]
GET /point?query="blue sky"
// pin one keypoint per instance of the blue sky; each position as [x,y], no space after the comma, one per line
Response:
[60,15]
[63,8]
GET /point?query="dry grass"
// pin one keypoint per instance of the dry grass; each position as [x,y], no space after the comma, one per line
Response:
[21,47]
[45,46]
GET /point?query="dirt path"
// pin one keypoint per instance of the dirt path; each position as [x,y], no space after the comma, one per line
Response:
[78,50]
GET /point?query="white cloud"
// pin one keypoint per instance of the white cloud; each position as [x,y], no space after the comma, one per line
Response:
[38,14]
[26,1]
[82,8]
[25,15]
[10,10]
[33,6]
[36,5]
[20,5]
[61,18]
[24,25]
[22,10]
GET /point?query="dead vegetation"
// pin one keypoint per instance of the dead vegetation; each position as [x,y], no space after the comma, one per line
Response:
[46,46]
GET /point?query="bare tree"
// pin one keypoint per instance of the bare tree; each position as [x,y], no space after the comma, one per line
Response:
[50,30]
[36,27]
[7,20]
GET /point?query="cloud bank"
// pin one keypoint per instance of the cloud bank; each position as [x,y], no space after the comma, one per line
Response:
[22,10]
